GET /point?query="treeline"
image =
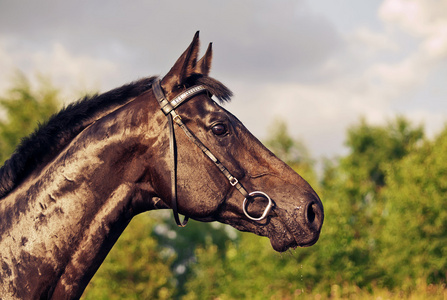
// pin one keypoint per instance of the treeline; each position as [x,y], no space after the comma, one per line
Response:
[384,235]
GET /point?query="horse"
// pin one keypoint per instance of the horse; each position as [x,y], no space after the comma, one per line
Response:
[71,188]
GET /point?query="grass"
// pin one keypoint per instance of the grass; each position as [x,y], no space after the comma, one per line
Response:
[419,292]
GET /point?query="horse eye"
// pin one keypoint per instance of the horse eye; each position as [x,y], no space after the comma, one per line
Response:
[219,129]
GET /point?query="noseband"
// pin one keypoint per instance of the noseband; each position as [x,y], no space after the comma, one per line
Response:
[168,108]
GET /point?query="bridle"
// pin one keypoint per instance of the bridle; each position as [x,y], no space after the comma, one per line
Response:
[168,108]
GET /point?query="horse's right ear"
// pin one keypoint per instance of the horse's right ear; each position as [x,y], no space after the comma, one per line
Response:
[204,64]
[184,67]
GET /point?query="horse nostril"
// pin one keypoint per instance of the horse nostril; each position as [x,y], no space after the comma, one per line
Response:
[314,215]
[311,212]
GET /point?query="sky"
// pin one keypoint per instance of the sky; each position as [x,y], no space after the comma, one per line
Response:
[318,65]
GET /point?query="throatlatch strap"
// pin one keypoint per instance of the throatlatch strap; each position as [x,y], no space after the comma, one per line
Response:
[166,106]
[173,150]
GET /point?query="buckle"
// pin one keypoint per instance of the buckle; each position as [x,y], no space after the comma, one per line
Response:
[233,181]
[177,119]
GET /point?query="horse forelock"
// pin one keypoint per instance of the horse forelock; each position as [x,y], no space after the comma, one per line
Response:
[215,87]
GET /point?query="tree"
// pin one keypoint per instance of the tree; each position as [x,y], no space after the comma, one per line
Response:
[415,231]
[25,107]
[373,147]
[354,206]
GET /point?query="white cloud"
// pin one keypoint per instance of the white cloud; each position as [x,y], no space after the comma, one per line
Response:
[73,74]
[423,19]
[417,17]
[65,69]
[371,41]
[6,63]
[397,79]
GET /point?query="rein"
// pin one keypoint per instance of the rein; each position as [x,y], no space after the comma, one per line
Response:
[168,108]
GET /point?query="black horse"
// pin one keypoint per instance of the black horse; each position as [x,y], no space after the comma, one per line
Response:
[73,186]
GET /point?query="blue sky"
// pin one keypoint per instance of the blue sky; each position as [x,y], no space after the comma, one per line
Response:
[318,65]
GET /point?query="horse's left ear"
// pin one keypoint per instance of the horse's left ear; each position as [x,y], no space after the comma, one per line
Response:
[184,67]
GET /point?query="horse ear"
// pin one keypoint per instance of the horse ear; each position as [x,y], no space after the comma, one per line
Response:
[184,67]
[204,64]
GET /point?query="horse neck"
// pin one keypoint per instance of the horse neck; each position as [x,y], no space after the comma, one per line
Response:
[58,226]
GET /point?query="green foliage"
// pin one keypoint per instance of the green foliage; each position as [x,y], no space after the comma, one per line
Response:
[25,107]
[185,241]
[136,268]
[250,270]
[372,148]
[415,234]
[354,204]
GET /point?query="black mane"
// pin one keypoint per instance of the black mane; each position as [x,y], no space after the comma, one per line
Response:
[51,137]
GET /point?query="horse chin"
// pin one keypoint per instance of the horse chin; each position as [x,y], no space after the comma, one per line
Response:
[283,239]
[282,245]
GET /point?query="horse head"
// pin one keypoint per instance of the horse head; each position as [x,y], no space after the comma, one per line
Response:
[280,204]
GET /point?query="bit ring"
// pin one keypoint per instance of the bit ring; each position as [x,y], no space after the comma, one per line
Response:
[267,209]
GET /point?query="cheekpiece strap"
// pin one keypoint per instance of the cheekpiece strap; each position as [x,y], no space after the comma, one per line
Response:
[166,107]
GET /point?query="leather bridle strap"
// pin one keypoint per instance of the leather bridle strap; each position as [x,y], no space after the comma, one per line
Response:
[170,113]
[168,107]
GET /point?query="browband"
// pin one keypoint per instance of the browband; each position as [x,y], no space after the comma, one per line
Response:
[167,106]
